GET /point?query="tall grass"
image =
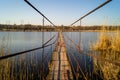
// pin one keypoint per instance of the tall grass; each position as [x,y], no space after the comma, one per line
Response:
[22,67]
[108,47]
[18,68]
[4,64]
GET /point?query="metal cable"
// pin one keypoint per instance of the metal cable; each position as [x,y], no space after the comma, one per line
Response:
[76,60]
[93,56]
[103,4]
[39,12]
[23,52]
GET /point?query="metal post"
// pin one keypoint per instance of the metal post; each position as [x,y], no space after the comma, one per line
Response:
[51,45]
[80,37]
[43,51]
[71,38]
[79,41]
[80,23]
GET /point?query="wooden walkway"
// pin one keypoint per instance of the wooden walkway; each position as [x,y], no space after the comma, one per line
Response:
[60,68]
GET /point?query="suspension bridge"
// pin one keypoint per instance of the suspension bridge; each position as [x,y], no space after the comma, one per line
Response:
[61,66]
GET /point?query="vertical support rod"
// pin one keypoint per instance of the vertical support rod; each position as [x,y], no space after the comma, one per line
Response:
[80,36]
[80,23]
[71,37]
[51,45]
[43,50]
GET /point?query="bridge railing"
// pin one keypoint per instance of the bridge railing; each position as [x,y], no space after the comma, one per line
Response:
[23,52]
[89,54]
[75,58]
[24,61]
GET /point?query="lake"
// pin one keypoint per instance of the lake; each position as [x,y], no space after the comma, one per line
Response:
[30,63]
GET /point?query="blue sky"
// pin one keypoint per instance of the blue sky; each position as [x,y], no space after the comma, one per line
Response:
[60,12]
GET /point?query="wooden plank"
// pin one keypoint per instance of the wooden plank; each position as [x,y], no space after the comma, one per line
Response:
[60,68]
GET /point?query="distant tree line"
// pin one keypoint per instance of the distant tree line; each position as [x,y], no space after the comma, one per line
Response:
[96,27]
[29,27]
[78,28]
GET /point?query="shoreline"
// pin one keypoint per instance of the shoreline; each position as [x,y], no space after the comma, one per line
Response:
[61,30]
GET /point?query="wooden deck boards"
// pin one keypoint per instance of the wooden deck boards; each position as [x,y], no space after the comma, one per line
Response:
[60,68]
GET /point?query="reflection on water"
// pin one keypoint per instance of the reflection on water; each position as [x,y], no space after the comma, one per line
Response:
[19,41]
[28,66]
[92,68]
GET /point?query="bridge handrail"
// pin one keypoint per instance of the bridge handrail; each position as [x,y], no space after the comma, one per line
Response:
[49,54]
[77,62]
[23,52]
[89,54]
[71,64]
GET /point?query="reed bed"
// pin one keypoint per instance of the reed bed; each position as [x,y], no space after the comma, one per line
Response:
[107,47]
[22,67]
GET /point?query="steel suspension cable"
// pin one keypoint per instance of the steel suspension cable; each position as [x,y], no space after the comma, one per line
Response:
[71,63]
[39,12]
[70,60]
[45,57]
[103,4]
[77,62]
[23,52]
[93,56]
